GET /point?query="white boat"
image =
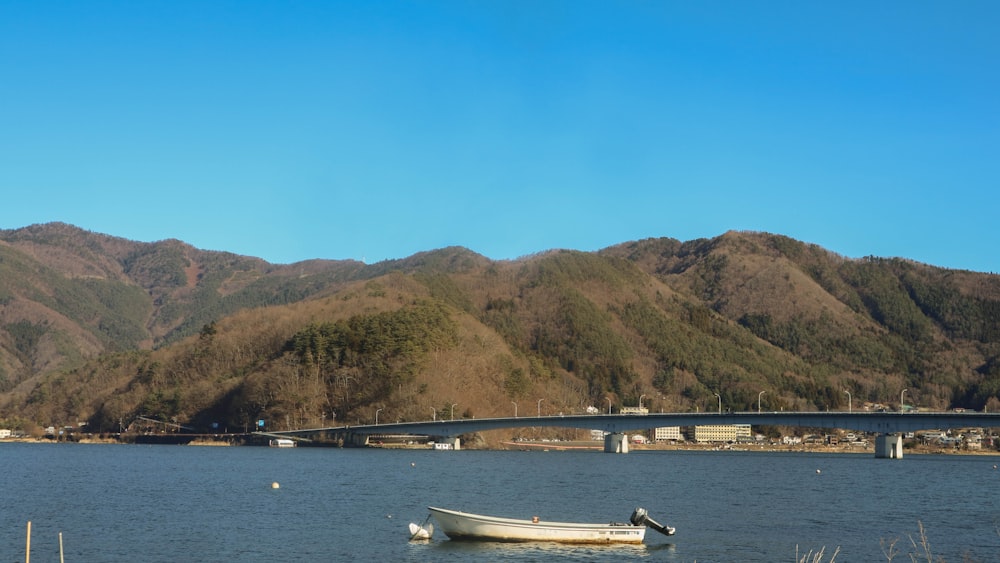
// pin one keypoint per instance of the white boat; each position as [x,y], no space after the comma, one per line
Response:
[282,443]
[466,526]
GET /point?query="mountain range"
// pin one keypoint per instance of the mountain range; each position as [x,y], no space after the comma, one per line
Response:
[102,330]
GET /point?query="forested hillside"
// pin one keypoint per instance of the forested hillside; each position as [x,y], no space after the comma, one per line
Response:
[67,295]
[99,329]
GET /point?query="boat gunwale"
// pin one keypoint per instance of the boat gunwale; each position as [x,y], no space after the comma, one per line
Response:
[530,524]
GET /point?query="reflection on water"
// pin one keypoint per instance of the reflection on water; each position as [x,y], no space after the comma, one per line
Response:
[536,551]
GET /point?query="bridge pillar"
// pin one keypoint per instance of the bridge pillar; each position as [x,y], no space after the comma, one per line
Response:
[615,443]
[889,446]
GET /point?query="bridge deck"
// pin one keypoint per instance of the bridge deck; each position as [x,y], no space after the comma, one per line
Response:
[882,422]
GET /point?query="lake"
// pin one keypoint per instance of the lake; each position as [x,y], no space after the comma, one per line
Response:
[127,503]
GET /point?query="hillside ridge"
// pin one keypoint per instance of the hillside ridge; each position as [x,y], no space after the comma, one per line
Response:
[100,329]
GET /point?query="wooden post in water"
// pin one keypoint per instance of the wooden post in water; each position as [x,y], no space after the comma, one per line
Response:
[27,546]
[61,560]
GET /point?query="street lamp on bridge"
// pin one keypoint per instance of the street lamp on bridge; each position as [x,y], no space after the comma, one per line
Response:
[720,401]
[759,395]
[515,408]
[434,413]
[540,406]
[376,416]
[609,404]
[640,402]
[901,400]
[453,410]
[848,400]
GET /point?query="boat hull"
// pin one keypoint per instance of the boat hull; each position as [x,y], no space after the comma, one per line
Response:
[466,526]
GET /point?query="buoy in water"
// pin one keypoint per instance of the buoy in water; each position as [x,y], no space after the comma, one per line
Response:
[421,532]
[412,464]
[275,485]
[818,472]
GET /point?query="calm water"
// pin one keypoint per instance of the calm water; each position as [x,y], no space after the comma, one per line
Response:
[116,503]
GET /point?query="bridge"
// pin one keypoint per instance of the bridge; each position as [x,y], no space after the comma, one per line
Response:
[888,425]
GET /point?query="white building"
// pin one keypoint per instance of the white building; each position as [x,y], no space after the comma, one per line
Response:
[722,433]
[665,433]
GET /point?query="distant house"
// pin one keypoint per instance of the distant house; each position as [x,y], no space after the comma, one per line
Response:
[974,441]
[931,437]
[4,433]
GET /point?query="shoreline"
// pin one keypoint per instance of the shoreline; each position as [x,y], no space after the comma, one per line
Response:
[533,445]
[586,445]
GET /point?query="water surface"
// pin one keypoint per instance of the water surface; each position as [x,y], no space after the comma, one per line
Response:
[127,503]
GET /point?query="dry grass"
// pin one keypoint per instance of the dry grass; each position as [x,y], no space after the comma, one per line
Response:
[815,557]
[920,549]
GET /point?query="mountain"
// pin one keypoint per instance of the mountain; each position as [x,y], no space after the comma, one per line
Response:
[101,329]
[68,295]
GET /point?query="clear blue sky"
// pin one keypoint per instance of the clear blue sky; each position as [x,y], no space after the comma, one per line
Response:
[375,130]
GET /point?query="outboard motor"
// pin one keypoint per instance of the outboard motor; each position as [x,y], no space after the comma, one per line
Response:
[641,518]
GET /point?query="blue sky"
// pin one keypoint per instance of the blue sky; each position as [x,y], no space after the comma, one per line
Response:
[375,130]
